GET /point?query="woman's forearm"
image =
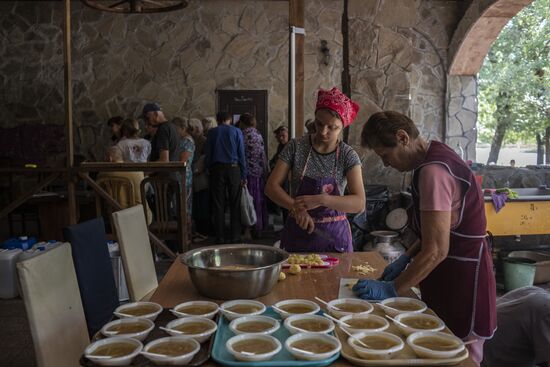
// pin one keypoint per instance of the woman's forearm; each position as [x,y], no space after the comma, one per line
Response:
[424,263]
[346,203]
[279,196]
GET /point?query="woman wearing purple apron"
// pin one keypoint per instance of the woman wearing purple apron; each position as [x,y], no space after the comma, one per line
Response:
[320,167]
[452,260]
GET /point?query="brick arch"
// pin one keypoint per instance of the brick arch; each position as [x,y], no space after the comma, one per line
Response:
[476,32]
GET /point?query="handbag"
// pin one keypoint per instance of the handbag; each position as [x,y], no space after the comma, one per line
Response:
[200,175]
[248,213]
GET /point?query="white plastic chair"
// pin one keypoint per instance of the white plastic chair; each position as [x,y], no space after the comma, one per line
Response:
[137,256]
[52,299]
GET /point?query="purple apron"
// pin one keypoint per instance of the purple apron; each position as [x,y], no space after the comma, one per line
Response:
[332,231]
[461,289]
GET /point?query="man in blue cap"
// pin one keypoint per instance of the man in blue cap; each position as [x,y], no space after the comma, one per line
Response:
[165,142]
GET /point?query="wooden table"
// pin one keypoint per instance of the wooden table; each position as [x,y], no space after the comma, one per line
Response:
[176,286]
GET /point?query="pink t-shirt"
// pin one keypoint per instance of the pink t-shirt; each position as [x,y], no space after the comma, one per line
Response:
[439,191]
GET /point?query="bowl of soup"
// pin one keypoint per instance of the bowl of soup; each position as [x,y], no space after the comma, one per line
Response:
[308,324]
[396,305]
[241,307]
[312,346]
[411,322]
[198,328]
[254,325]
[377,344]
[364,322]
[435,344]
[291,307]
[144,310]
[253,347]
[115,351]
[172,350]
[348,306]
[131,327]
[196,309]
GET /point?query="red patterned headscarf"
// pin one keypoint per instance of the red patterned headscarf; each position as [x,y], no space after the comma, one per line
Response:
[337,101]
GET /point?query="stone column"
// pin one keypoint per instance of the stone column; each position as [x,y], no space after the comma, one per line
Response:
[460,127]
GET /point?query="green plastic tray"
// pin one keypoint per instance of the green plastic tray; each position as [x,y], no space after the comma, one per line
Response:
[281,359]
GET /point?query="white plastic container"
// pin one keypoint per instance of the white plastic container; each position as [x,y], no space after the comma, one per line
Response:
[8,273]
[118,271]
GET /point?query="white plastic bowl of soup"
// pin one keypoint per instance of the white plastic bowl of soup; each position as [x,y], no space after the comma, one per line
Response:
[196,309]
[348,306]
[435,344]
[241,307]
[115,351]
[379,344]
[364,322]
[292,307]
[411,322]
[131,327]
[308,324]
[312,346]
[145,310]
[254,325]
[253,347]
[396,305]
[177,350]
[198,328]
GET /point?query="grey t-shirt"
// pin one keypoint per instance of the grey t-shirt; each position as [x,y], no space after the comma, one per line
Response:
[320,165]
[522,338]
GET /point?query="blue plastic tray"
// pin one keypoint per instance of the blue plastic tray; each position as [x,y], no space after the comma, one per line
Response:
[281,359]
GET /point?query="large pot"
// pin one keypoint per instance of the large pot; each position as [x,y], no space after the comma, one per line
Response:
[234,271]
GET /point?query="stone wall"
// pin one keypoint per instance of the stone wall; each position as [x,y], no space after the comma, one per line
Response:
[398,62]
[178,58]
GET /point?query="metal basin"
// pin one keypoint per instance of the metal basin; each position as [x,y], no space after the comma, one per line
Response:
[234,271]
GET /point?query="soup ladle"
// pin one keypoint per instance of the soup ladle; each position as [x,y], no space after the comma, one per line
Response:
[388,307]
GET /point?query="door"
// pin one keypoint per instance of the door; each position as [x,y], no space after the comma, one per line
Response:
[237,102]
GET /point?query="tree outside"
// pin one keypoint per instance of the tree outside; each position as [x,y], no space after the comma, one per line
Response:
[514,84]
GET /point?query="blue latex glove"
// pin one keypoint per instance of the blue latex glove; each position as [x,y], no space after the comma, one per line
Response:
[393,270]
[374,289]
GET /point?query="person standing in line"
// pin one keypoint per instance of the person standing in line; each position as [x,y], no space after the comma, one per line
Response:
[225,159]
[165,146]
[281,134]
[133,148]
[257,170]
[201,192]
[187,151]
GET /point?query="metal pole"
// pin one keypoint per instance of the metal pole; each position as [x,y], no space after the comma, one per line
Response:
[292,81]
[71,196]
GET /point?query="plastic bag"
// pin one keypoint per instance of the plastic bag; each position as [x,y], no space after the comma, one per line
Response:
[248,213]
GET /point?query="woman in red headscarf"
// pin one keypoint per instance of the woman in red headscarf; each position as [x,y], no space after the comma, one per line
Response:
[321,167]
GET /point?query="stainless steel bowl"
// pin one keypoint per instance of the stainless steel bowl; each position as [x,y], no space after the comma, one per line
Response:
[234,271]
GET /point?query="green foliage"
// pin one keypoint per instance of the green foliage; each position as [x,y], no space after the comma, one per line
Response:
[514,81]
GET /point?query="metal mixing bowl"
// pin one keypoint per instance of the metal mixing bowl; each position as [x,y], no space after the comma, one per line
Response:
[234,271]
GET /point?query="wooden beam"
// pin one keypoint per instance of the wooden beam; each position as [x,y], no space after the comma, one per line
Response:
[69,134]
[27,195]
[150,166]
[98,189]
[296,19]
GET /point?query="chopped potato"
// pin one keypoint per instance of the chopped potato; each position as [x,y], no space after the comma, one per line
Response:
[309,259]
[282,276]
[294,269]
[363,269]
